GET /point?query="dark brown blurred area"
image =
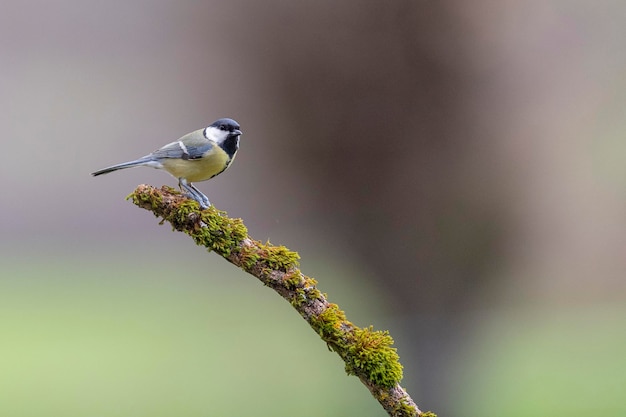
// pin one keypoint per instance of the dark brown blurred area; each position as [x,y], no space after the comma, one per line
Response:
[448,143]
[373,101]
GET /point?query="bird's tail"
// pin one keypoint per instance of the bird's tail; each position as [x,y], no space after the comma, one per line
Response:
[145,161]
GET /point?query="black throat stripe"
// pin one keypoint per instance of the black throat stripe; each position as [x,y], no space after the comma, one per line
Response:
[230,145]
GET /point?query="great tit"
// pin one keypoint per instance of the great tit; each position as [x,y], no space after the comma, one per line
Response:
[197,156]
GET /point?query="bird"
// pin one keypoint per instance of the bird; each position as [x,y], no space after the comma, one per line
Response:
[197,156]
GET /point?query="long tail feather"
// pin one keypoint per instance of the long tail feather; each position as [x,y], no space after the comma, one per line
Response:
[145,161]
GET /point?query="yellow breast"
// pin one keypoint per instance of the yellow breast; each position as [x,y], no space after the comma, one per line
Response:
[202,169]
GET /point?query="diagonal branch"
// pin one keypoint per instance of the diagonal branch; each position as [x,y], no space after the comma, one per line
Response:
[368,353]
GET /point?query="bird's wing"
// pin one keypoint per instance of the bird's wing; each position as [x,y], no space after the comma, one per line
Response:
[179,150]
[200,150]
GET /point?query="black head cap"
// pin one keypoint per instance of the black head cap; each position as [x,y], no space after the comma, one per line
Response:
[227,125]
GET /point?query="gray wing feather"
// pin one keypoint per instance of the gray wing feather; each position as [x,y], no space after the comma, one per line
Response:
[196,152]
[181,151]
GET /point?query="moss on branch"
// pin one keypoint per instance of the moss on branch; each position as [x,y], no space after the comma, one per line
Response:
[368,354]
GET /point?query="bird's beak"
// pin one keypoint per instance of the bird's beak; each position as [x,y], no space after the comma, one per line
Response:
[236,132]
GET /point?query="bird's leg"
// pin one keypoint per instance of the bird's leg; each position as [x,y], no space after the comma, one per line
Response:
[204,198]
[194,193]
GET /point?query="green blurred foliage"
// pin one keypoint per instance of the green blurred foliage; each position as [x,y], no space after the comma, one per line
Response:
[551,361]
[131,337]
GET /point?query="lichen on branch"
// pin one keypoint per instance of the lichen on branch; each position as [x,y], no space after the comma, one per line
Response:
[368,354]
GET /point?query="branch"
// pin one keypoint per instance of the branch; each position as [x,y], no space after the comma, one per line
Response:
[368,354]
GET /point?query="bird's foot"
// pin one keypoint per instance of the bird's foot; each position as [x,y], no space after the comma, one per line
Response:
[195,194]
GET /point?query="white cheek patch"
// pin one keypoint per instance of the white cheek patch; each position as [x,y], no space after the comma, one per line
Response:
[215,135]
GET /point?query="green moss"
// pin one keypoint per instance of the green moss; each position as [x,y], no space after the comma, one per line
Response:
[273,258]
[428,414]
[403,408]
[311,289]
[367,353]
[249,257]
[299,298]
[293,279]
[183,210]
[329,325]
[314,294]
[153,199]
[278,258]
[308,285]
[214,230]
[303,286]
[370,354]
[218,232]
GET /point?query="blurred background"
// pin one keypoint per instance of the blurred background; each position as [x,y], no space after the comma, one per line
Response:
[450,171]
